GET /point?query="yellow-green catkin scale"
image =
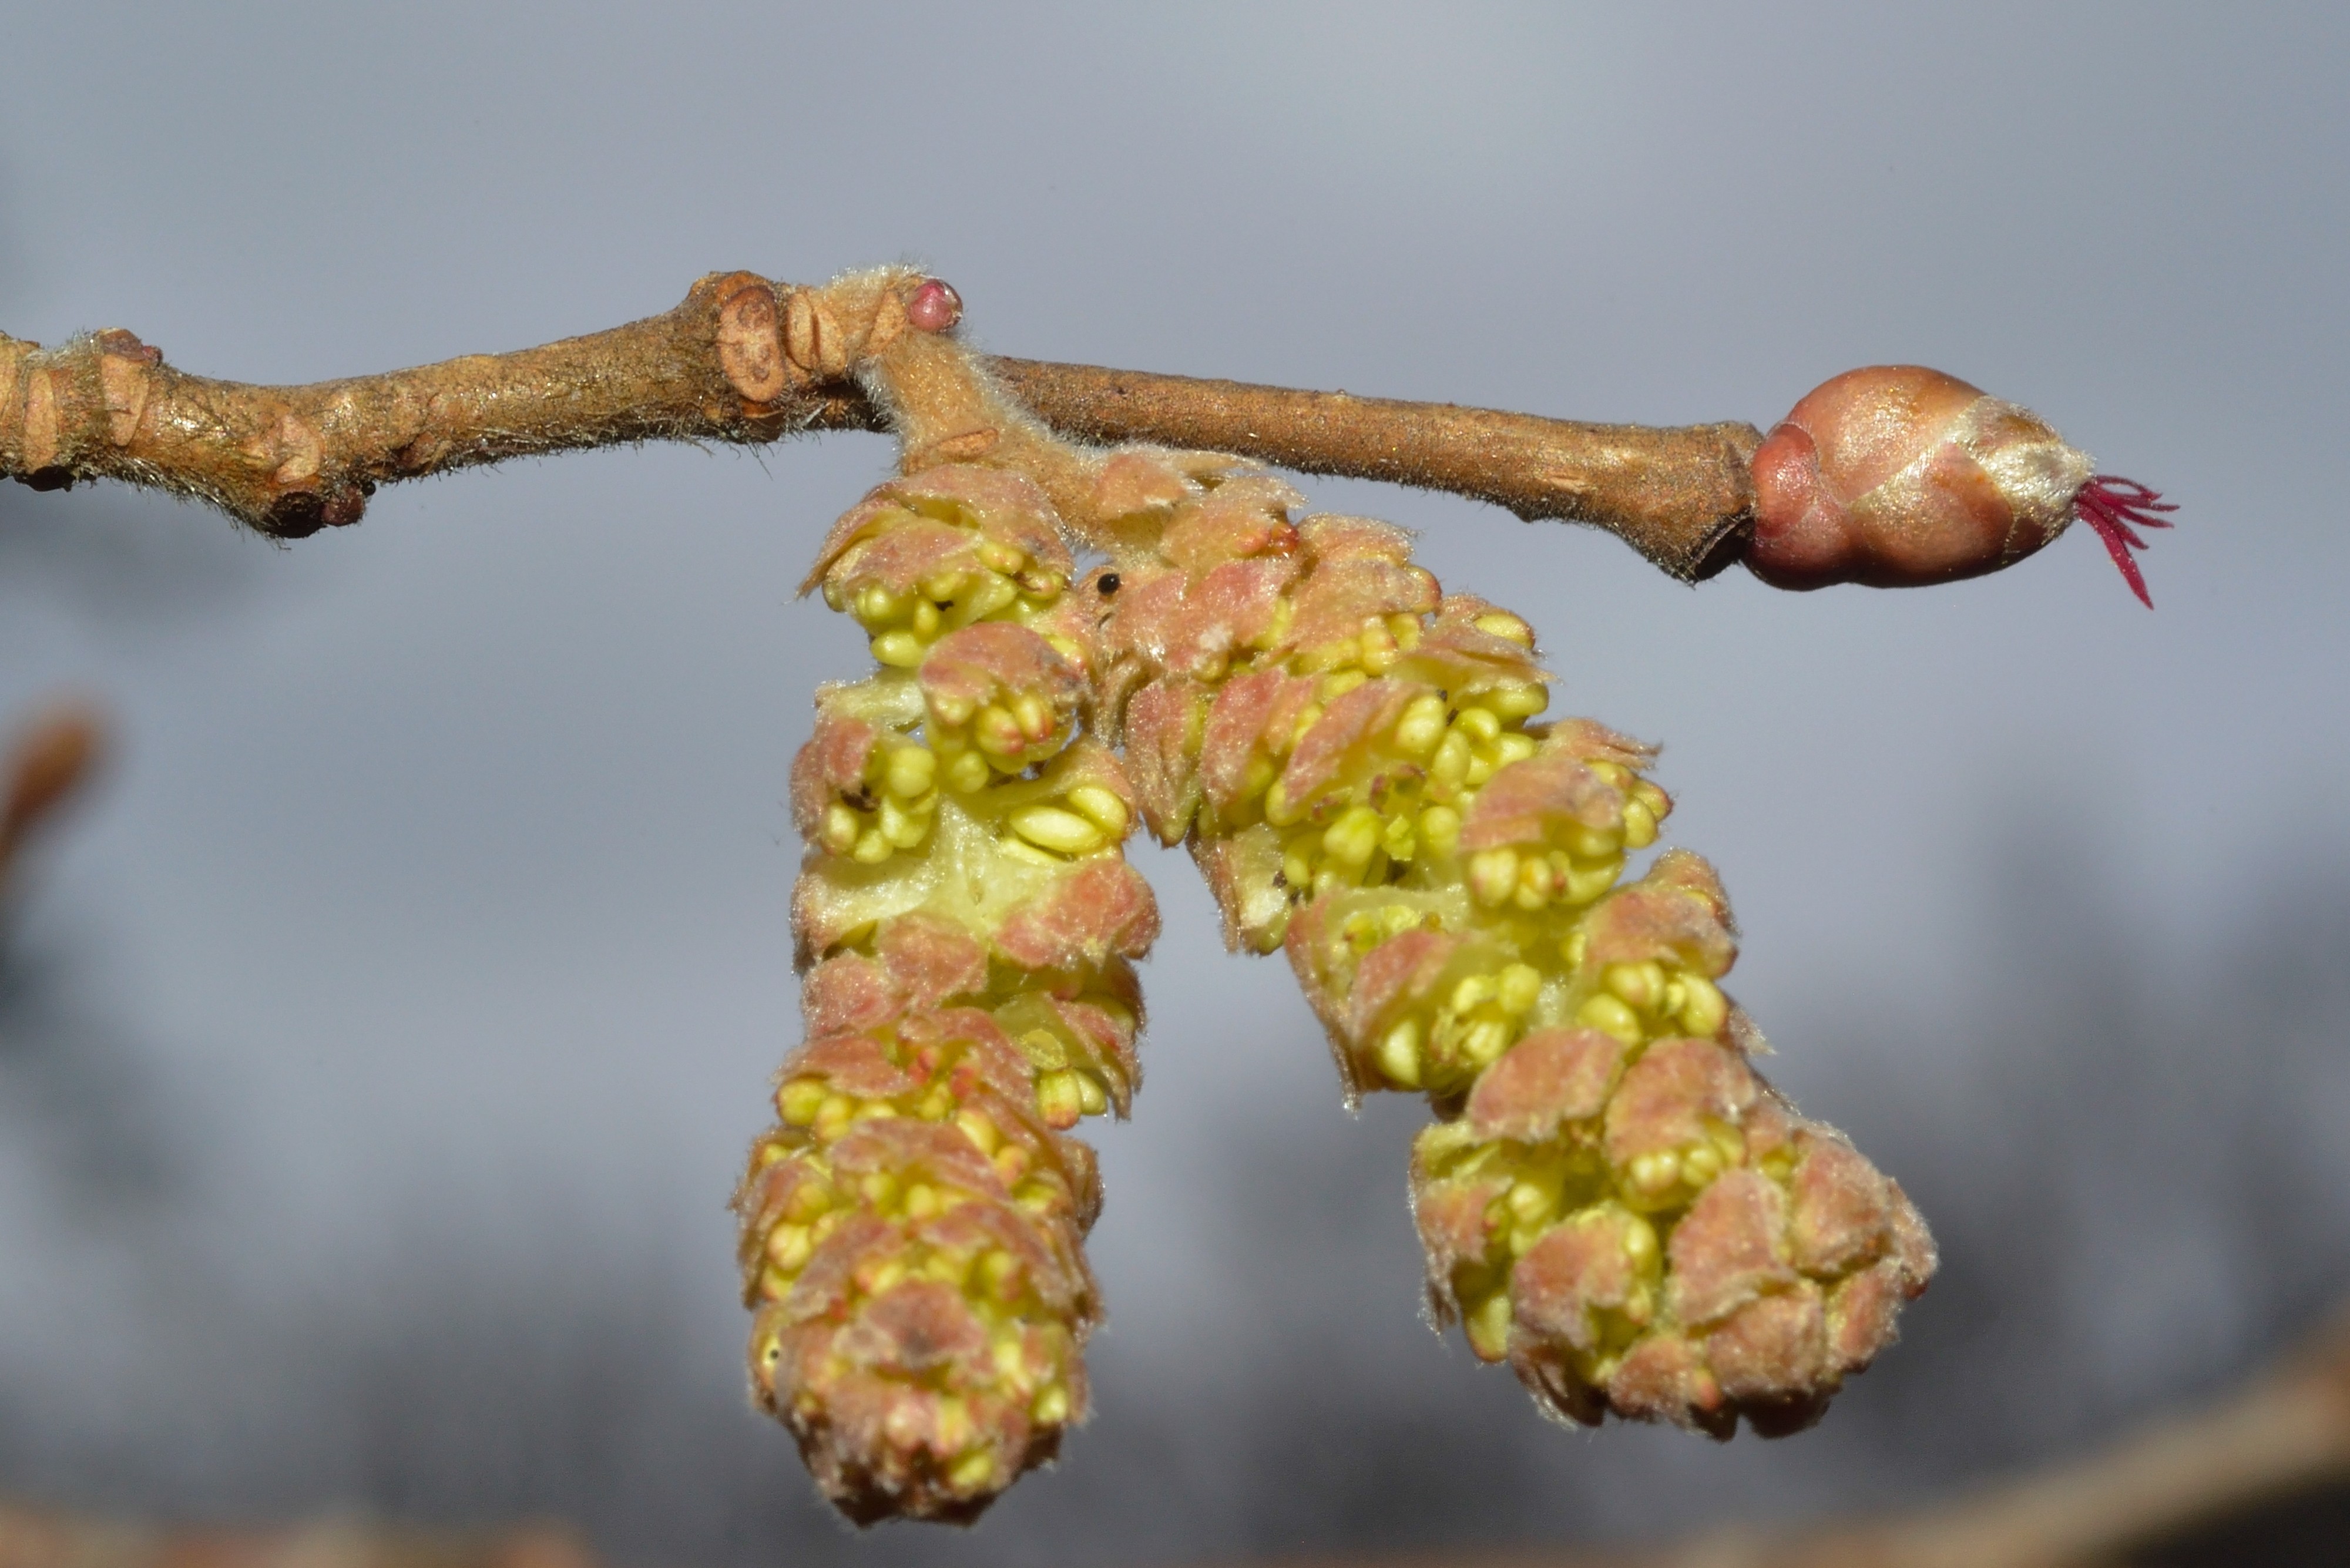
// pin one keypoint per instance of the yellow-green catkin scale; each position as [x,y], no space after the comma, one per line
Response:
[912,1225]
[1612,1200]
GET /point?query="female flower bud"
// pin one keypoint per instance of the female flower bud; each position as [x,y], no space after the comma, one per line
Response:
[1898,476]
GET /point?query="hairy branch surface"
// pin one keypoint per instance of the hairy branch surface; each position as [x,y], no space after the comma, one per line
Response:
[745,360]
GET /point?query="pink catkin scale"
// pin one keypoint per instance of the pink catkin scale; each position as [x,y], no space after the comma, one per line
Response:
[1899,476]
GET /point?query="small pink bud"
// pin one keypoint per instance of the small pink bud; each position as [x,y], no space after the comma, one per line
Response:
[935,305]
[1898,476]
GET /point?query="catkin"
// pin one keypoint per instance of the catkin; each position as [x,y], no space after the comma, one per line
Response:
[912,1225]
[1612,1200]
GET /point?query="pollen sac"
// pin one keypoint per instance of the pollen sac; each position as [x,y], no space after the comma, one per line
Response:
[912,1224]
[1000,698]
[1898,476]
[864,786]
[925,1362]
[1613,1201]
[1626,1212]
[1652,1231]
[910,1248]
[931,553]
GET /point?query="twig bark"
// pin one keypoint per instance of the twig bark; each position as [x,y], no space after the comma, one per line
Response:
[745,360]
[1681,496]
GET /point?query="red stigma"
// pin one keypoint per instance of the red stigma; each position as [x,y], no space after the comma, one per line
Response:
[2116,508]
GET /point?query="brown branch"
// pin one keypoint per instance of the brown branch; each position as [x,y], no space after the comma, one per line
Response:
[291,460]
[1679,496]
[745,360]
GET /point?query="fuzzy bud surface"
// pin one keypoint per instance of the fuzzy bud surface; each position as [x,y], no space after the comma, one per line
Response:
[1897,475]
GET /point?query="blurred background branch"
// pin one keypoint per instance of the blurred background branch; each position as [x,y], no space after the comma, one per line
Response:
[33,1538]
[2263,1473]
[50,761]
[2262,1476]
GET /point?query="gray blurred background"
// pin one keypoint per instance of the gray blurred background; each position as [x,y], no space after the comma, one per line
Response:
[377,1055]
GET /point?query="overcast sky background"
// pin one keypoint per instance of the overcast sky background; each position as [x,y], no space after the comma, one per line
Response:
[389,1032]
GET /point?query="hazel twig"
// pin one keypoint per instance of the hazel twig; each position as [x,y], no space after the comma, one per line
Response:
[1683,496]
[745,360]
[291,460]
